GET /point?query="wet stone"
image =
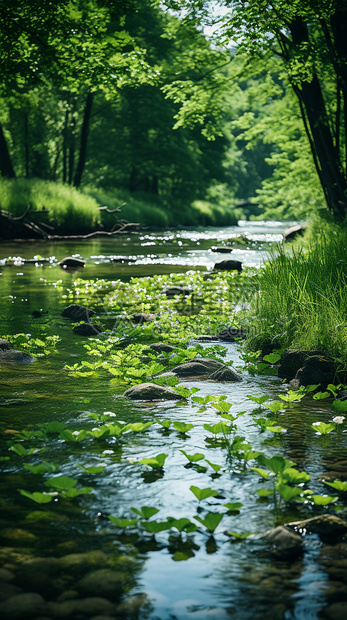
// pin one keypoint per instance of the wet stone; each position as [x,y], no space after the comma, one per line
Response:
[26,605]
[336,611]
[5,345]
[6,575]
[151,391]
[162,347]
[7,590]
[11,356]
[70,262]
[143,317]
[104,582]
[228,265]
[87,329]
[328,527]
[76,312]
[208,369]
[283,542]
[91,606]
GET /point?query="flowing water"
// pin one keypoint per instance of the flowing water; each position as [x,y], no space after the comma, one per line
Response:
[57,550]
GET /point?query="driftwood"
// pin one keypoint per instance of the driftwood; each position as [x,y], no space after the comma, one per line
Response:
[24,227]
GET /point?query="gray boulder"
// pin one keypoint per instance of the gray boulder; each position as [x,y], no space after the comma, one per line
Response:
[317,369]
[87,329]
[228,265]
[207,368]
[151,391]
[5,345]
[11,356]
[283,542]
[77,313]
[292,360]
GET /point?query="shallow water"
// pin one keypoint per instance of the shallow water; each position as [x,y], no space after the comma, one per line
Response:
[221,578]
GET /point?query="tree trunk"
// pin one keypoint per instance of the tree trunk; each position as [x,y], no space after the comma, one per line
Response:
[331,171]
[84,137]
[6,168]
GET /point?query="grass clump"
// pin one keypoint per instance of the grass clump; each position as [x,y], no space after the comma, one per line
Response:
[301,301]
[68,209]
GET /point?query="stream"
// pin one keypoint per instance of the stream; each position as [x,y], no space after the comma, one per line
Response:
[66,557]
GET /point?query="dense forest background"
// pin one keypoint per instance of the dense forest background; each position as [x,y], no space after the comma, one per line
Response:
[128,103]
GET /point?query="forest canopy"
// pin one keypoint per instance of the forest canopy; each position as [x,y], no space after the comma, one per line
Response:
[132,97]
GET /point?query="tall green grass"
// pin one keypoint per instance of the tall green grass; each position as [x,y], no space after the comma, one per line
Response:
[68,210]
[301,301]
[72,211]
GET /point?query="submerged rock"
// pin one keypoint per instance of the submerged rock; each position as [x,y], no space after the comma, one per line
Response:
[207,368]
[228,265]
[283,542]
[69,262]
[87,329]
[25,605]
[152,391]
[103,582]
[11,356]
[77,313]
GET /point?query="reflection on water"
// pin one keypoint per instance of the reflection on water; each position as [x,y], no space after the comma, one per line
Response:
[75,540]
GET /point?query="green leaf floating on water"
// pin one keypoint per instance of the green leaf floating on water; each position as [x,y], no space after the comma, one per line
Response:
[193,458]
[233,506]
[222,407]
[183,524]
[61,482]
[322,428]
[264,492]
[156,462]
[71,493]
[294,476]
[73,436]
[211,520]
[214,466]
[182,427]
[39,498]
[323,500]
[288,493]
[165,423]
[274,405]
[238,536]
[321,395]
[137,427]
[339,406]
[146,512]
[260,400]
[41,468]
[203,493]
[123,523]
[262,472]
[339,485]
[156,526]
[96,469]
[220,427]
[276,463]
[52,427]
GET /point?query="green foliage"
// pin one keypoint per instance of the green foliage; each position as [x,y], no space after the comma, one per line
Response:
[155,462]
[302,295]
[203,493]
[210,521]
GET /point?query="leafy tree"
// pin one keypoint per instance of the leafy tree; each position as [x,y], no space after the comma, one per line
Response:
[309,38]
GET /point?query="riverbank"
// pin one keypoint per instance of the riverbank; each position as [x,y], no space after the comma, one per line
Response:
[58,209]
